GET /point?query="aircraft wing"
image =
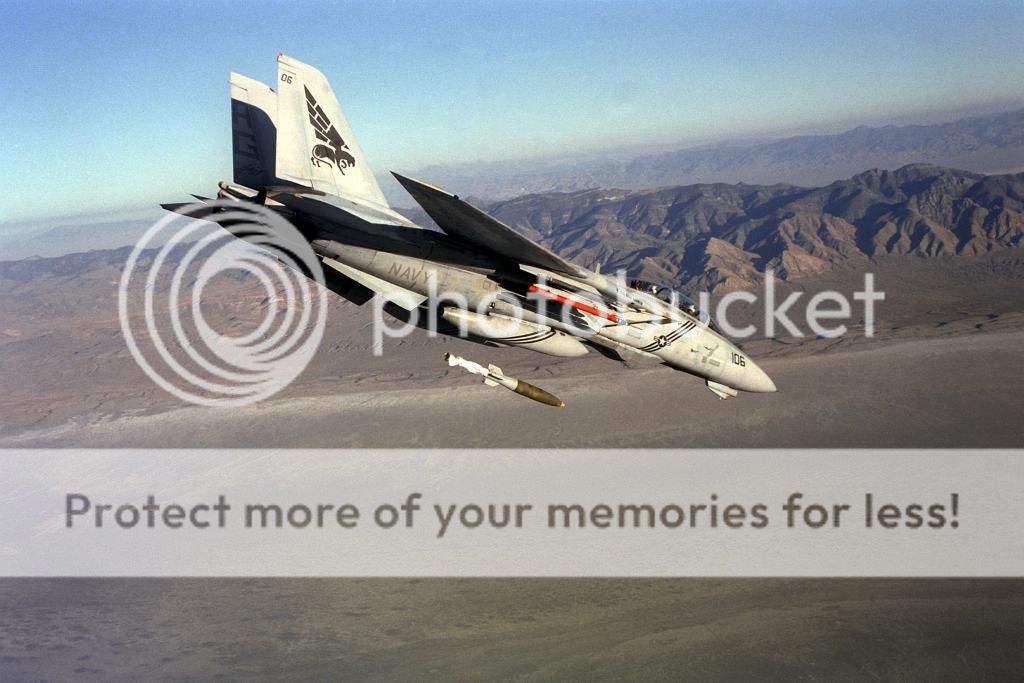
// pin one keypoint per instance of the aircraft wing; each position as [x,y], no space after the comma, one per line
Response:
[464,221]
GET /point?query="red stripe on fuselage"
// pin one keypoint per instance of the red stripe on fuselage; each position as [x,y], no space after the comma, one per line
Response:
[579,305]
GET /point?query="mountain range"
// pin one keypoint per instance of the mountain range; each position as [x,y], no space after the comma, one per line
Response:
[720,237]
[993,143]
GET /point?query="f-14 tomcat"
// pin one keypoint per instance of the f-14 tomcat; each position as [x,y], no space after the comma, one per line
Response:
[295,154]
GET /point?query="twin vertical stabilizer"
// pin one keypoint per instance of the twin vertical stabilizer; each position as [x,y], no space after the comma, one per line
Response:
[253,132]
[315,145]
[297,135]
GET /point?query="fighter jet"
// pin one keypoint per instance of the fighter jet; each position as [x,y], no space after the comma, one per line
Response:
[295,153]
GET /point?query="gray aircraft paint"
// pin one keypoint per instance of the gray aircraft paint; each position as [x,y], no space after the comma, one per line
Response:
[323,184]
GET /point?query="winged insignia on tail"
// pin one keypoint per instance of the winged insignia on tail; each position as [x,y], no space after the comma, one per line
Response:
[334,151]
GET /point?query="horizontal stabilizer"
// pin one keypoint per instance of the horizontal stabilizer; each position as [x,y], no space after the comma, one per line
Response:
[176,207]
[197,210]
[464,221]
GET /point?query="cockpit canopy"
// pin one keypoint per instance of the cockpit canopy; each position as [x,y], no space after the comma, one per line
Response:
[670,296]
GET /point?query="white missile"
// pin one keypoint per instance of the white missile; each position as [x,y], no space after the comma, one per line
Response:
[493,376]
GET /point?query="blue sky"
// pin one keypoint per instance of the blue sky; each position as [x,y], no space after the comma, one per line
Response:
[105,105]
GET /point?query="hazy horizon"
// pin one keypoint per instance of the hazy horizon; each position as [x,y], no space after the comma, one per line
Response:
[148,211]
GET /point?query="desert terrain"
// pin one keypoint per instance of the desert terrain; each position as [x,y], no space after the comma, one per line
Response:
[944,369]
[523,630]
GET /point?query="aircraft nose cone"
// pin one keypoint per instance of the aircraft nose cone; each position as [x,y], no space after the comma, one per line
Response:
[759,381]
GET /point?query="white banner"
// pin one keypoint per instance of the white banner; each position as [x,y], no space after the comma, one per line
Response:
[503,513]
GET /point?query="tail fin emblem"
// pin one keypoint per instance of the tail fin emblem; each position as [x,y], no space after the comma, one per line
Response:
[333,153]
